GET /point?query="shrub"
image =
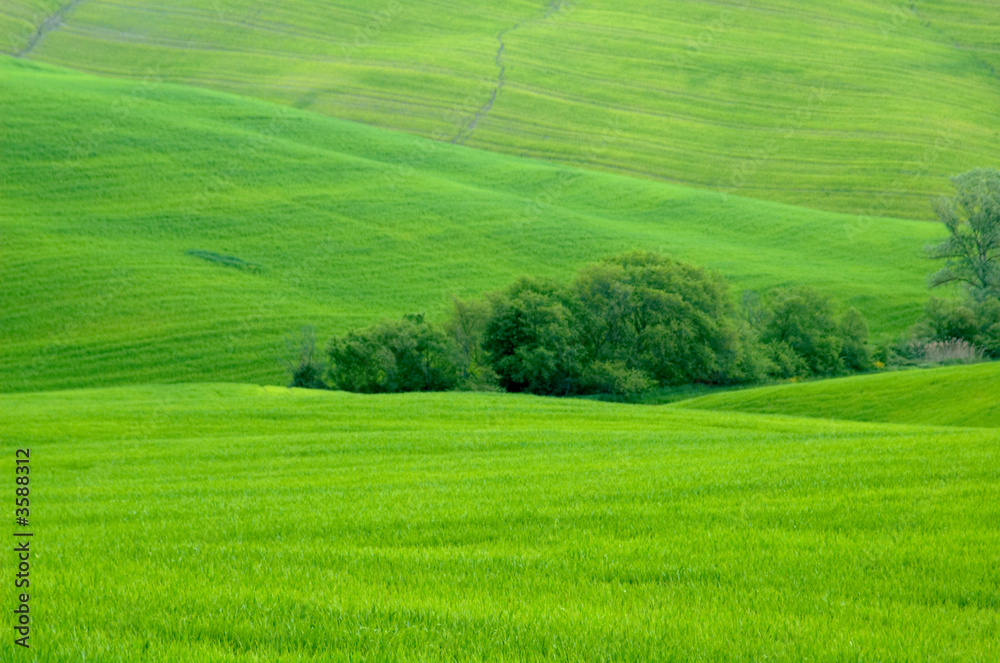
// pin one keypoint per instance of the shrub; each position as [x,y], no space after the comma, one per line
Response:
[976,322]
[305,367]
[803,321]
[672,321]
[615,378]
[465,329]
[531,339]
[785,361]
[404,355]
[946,319]
[854,352]
[625,325]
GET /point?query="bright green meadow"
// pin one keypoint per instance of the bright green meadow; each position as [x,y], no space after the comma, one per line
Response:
[861,106]
[184,185]
[240,523]
[951,396]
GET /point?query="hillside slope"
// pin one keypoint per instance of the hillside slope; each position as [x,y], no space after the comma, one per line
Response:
[863,106]
[951,396]
[153,232]
[238,523]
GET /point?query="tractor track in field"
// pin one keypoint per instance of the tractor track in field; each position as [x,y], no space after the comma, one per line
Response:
[553,7]
[51,22]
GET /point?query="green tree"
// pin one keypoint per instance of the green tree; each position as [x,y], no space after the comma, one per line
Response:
[465,328]
[972,250]
[403,355]
[306,367]
[854,352]
[532,339]
[977,322]
[649,313]
[803,321]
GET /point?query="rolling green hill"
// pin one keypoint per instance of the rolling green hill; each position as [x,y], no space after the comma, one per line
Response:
[154,232]
[860,106]
[183,185]
[952,396]
[239,523]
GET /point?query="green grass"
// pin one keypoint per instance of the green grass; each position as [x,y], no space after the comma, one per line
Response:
[860,106]
[108,186]
[225,523]
[152,232]
[952,396]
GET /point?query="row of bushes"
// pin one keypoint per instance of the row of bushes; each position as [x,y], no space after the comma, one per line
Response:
[622,326]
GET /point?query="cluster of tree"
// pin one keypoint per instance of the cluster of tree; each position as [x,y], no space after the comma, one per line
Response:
[642,320]
[971,255]
[622,326]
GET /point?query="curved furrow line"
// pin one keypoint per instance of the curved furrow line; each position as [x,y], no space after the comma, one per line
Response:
[52,22]
[460,138]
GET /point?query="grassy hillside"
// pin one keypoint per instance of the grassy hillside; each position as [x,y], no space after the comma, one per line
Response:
[862,106]
[952,396]
[160,233]
[226,523]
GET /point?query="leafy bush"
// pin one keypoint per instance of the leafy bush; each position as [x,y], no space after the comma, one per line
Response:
[671,321]
[404,355]
[465,330]
[532,341]
[975,322]
[305,367]
[802,321]
[617,379]
[854,352]
[785,361]
[624,326]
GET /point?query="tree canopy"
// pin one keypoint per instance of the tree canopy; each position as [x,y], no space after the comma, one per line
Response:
[972,250]
[622,326]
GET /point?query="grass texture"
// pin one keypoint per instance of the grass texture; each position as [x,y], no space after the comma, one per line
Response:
[239,523]
[859,106]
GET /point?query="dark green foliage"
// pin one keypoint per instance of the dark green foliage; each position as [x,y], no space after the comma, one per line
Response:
[972,259]
[403,355]
[465,329]
[988,333]
[532,339]
[854,352]
[615,378]
[785,361]
[976,322]
[649,313]
[802,321]
[752,361]
[945,319]
[306,367]
[972,250]
[308,376]
[626,325]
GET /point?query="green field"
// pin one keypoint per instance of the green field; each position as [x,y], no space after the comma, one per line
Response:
[345,224]
[240,523]
[861,106]
[953,396]
[184,185]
